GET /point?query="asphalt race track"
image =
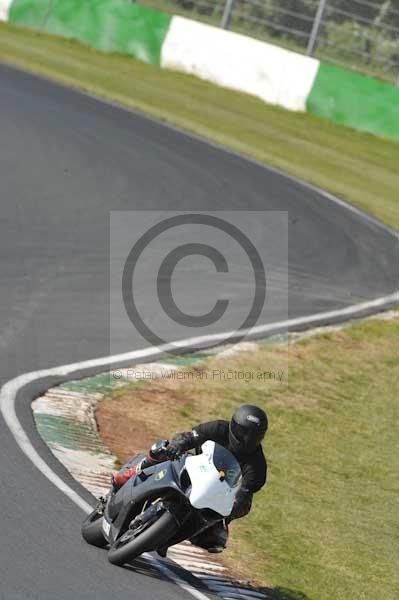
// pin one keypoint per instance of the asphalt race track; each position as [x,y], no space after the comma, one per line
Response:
[66,160]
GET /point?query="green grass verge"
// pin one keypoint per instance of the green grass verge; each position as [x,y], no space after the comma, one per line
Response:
[325,526]
[358,167]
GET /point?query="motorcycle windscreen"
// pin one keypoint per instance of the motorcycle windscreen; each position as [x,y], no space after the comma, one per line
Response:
[215,478]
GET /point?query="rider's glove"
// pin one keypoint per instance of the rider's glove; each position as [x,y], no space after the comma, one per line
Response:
[179,444]
[174,449]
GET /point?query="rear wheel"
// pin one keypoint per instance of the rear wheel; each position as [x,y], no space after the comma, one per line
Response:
[134,542]
[92,530]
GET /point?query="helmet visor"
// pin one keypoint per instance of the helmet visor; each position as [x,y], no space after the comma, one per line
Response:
[246,436]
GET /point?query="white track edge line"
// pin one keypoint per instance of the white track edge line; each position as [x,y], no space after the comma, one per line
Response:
[10,390]
[8,409]
[7,406]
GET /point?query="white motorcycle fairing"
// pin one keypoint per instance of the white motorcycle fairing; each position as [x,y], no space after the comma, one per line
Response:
[209,486]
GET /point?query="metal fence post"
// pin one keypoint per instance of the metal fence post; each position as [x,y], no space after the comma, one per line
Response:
[227,13]
[316,27]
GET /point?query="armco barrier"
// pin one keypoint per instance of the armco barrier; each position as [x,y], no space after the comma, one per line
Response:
[226,58]
[109,25]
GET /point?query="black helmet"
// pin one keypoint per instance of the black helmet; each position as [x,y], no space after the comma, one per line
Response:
[247,429]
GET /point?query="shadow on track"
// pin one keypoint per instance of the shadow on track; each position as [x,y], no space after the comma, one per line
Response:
[142,566]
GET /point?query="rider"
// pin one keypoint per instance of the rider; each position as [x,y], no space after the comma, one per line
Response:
[243,437]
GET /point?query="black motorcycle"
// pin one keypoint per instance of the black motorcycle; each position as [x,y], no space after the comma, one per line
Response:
[164,504]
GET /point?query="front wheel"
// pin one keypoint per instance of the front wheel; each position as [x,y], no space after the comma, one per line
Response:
[92,530]
[129,546]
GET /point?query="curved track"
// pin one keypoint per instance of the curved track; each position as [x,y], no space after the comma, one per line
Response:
[66,160]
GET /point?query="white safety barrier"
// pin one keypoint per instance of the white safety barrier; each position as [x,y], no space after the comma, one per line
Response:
[4,8]
[229,59]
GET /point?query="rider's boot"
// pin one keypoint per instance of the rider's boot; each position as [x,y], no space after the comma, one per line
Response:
[162,551]
[213,539]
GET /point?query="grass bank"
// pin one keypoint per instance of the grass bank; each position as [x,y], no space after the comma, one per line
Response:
[358,167]
[325,526]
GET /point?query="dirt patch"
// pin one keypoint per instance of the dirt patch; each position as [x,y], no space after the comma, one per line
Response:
[133,418]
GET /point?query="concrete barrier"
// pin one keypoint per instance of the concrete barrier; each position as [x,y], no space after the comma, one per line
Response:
[274,74]
[4,8]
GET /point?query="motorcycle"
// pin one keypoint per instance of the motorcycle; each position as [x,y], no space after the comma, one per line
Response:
[164,504]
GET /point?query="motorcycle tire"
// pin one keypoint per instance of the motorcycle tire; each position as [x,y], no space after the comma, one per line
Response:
[161,530]
[92,531]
